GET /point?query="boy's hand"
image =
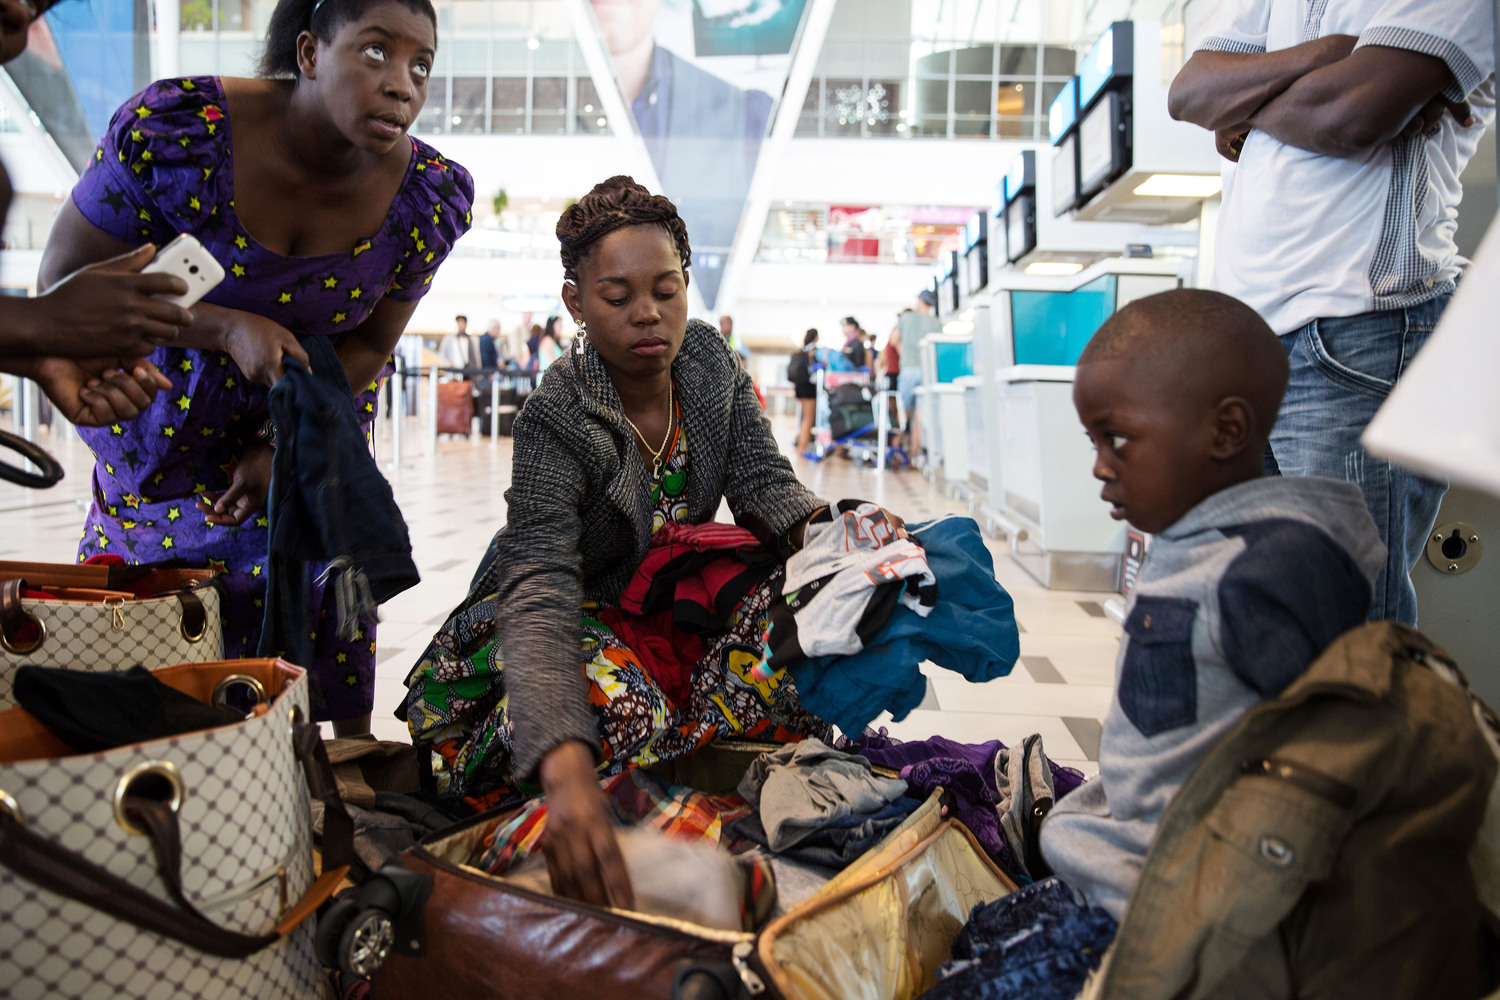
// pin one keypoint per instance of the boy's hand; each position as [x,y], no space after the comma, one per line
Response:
[97,392]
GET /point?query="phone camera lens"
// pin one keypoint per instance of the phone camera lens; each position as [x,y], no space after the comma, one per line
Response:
[193,269]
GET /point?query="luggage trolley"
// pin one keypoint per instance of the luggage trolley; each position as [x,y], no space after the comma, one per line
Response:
[850,414]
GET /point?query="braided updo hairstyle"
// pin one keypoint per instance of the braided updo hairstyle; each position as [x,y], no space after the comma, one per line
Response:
[615,204]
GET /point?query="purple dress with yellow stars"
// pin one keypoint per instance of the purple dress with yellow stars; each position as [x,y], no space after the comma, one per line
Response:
[164,167]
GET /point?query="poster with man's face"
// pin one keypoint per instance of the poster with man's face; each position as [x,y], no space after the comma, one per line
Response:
[698,76]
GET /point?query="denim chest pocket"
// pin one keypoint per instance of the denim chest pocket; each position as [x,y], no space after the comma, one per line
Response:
[1158,681]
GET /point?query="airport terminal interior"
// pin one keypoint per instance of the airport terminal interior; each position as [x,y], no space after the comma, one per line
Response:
[1059,304]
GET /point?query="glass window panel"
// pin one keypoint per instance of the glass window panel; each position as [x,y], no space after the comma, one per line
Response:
[971,126]
[930,126]
[883,107]
[552,57]
[469,57]
[844,107]
[549,105]
[435,111]
[589,110]
[510,55]
[467,113]
[931,98]
[236,15]
[972,98]
[974,60]
[508,105]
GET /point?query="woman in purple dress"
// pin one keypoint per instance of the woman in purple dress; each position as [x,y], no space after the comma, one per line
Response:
[329,221]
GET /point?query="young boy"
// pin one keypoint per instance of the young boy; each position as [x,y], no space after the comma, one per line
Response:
[1248,579]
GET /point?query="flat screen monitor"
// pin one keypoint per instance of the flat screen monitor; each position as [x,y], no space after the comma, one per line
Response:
[1063,112]
[1110,57]
[1052,328]
[1065,176]
[1102,148]
[978,263]
[1020,228]
[975,232]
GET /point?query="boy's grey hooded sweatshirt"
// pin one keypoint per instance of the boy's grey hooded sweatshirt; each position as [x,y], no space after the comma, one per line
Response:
[1232,604]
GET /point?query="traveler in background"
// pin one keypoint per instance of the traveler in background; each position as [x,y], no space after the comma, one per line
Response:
[890,359]
[351,218]
[912,325]
[459,349]
[726,330]
[1350,124]
[490,346]
[548,349]
[533,343]
[854,343]
[799,372]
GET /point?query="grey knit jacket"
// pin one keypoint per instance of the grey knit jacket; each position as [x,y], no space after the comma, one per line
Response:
[578,519]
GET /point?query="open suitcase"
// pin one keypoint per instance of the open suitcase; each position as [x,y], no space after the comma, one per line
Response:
[878,930]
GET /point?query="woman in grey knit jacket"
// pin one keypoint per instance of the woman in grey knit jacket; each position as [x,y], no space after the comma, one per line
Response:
[650,420]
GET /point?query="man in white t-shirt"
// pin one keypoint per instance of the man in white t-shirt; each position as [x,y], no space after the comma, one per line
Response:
[1347,124]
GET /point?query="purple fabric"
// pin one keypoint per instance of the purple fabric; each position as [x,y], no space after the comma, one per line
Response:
[966,769]
[165,166]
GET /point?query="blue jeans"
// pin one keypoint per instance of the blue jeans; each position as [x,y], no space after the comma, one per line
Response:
[1342,370]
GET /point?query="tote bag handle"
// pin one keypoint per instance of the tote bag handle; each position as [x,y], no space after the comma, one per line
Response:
[66,873]
[51,472]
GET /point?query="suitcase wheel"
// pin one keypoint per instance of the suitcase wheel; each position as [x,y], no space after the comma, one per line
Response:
[366,942]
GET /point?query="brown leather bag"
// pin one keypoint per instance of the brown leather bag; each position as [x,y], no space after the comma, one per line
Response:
[455,407]
[486,938]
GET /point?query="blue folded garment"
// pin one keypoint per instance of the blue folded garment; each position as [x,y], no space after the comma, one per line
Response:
[972,630]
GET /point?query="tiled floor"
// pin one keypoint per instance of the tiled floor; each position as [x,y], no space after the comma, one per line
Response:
[453,502]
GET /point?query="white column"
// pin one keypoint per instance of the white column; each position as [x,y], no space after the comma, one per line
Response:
[168,29]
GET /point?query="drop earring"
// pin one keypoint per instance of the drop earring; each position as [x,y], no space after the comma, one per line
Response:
[579,339]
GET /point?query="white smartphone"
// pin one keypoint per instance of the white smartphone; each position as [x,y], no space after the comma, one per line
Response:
[185,258]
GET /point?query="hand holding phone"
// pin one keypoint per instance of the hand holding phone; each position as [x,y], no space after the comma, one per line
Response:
[186,258]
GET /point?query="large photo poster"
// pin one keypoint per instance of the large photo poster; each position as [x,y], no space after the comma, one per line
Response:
[701,78]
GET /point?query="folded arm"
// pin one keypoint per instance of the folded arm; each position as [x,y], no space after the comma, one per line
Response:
[1219,90]
[1361,102]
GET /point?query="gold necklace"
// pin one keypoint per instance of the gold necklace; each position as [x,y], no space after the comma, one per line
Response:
[656,453]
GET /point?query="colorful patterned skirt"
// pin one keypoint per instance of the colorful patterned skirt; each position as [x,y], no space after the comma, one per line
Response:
[458,709]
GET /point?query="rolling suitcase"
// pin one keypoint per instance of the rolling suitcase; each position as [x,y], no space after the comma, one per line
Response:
[455,407]
[849,411]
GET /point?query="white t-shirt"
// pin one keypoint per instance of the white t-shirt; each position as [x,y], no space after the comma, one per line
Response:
[1304,236]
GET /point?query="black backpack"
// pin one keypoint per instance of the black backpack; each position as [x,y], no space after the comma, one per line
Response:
[797,371]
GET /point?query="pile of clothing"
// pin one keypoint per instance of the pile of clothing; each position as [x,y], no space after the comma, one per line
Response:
[1000,793]
[818,805]
[1040,942]
[863,607]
